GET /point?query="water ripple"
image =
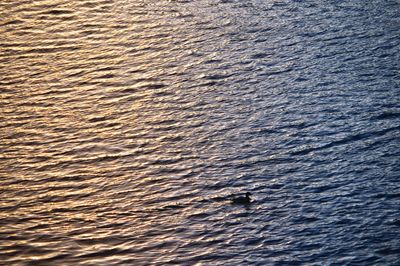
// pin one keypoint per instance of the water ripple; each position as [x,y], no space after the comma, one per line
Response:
[127,127]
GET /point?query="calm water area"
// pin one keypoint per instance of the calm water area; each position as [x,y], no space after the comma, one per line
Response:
[127,126]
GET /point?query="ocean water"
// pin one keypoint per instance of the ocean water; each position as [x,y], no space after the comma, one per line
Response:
[127,126]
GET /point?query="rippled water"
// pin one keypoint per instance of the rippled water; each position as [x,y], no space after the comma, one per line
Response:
[126,126]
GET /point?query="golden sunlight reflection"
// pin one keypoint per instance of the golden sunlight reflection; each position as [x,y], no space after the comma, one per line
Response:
[131,131]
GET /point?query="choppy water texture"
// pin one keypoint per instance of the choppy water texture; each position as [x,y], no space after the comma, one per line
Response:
[127,125]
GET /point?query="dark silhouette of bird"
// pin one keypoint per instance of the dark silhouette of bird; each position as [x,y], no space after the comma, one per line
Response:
[242,200]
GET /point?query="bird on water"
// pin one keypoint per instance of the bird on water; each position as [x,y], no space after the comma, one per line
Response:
[242,200]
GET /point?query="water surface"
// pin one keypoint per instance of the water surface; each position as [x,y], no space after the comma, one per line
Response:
[126,126]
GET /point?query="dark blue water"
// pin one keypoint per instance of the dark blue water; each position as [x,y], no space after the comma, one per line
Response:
[127,126]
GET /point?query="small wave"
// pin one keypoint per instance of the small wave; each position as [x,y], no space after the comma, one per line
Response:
[344,141]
